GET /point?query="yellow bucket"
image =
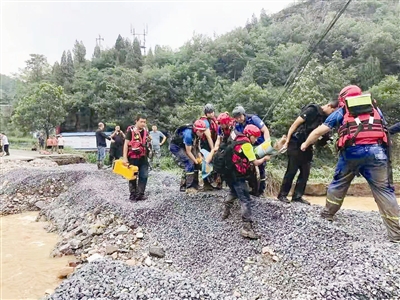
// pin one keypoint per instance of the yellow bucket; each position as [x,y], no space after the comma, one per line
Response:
[129,172]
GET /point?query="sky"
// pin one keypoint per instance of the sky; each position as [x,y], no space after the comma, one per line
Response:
[50,27]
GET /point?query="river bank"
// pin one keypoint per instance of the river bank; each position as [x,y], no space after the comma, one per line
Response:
[175,246]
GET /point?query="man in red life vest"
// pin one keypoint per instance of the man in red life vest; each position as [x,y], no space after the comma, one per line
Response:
[240,160]
[135,153]
[362,142]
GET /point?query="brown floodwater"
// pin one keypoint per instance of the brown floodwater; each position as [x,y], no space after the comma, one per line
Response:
[356,203]
[27,270]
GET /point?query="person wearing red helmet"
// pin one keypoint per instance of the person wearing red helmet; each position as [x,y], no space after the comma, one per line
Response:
[185,146]
[363,142]
[242,160]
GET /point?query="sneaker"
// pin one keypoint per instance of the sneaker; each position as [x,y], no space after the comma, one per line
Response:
[301,200]
[283,199]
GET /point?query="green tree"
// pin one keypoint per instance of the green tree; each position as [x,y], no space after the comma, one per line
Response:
[37,69]
[79,51]
[43,109]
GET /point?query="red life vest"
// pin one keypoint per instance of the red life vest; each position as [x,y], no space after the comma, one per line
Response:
[213,127]
[364,129]
[239,159]
[137,145]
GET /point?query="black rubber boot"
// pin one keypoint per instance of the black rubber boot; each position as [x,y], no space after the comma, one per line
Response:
[190,185]
[141,189]
[132,190]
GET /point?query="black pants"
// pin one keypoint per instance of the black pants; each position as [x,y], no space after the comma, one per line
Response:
[115,152]
[138,186]
[297,160]
[6,149]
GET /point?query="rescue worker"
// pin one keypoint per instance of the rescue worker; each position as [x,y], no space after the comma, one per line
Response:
[242,120]
[242,161]
[185,147]
[363,150]
[135,153]
[207,141]
[309,119]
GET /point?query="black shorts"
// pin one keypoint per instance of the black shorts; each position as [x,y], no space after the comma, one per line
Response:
[60,147]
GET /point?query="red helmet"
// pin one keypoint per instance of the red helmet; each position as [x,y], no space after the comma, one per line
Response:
[349,91]
[199,125]
[252,130]
[224,119]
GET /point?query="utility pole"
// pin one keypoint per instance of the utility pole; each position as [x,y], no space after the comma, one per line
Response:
[98,40]
[145,32]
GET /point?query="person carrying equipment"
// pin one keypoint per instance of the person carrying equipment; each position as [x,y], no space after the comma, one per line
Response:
[242,120]
[135,153]
[363,144]
[207,141]
[240,161]
[185,147]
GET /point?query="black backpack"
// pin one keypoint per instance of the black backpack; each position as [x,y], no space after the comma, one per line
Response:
[222,160]
[177,137]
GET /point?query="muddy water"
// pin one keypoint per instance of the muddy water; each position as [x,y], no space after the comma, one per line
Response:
[357,203]
[27,270]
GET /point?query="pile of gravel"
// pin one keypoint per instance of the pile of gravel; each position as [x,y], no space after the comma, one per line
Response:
[299,255]
[107,279]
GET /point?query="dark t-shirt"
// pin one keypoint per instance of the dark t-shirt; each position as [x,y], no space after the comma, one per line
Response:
[101,138]
[309,115]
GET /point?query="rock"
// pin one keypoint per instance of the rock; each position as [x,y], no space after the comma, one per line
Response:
[75,244]
[148,262]
[48,292]
[74,263]
[139,235]
[267,250]
[94,257]
[40,204]
[111,249]
[64,272]
[236,294]
[275,258]
[131,262]
[156,251]
[122,229]
[114,255]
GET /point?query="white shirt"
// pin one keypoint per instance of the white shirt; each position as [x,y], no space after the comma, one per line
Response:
[60,141]
[4,140]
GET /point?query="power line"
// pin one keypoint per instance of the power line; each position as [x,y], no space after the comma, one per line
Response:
[304,62]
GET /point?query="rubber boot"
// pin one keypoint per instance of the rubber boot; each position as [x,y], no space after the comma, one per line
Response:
[141,189]
[98,165]
[248,232]
[227,206]
[132,190]
[207,186]
[190,188]
[196,184]
[182,187]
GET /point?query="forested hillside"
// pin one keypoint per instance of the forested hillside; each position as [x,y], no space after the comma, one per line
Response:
[249,65]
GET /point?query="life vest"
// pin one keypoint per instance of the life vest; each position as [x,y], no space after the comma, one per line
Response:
[229,160]
[138,144]
[362,123]
[213,127]
[177,137]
